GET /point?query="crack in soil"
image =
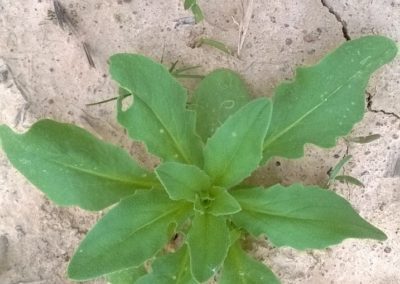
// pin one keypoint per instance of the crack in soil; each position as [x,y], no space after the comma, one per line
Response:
[343,23]
[369,107]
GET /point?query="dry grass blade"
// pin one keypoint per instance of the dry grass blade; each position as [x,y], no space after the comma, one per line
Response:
[88,55]
[63,18]
[65,21]
[247,10]
[60,13]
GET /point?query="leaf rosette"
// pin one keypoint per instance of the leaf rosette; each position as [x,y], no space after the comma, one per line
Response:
[207,151]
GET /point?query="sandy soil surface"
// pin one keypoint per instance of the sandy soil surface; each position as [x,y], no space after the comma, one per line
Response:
[49,76]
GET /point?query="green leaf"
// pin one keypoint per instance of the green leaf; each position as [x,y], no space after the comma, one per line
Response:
[301,217]
[127,276]
[185,69]
[158,115]
[214,43]
[364,139]
[335,171]
[222,202]
[173,268]
[208,242]
[130,233]
[239,268]
[182,181]
[235,149]
[326,100]
[197,13]
[188,4]
[72,167]
[349,179]
[220,94]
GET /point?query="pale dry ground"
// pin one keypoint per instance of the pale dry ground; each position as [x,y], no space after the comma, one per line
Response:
[51,78]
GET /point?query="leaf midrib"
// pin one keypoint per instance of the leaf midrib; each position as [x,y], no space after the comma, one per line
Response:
[217,180]
[239,265]
[283,132]
[140,228]
[168,132]
[254,213]
[102,175]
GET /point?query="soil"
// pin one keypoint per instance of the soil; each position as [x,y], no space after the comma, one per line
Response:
[45,72]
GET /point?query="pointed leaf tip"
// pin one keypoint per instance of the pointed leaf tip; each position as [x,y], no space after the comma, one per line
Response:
[302,217]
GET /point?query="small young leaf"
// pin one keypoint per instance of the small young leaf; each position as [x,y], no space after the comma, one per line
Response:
[182,72]
[197,13]
[130,233]
[182,181]
[72,167]
[126,276]
[219,95]
[325,100]
[239,268]
[301,217]
[349,179]
[223,203]
[185,69]
[335,171]
[214,43]
[173,268]
[158,115]
[364,139]
[235,149]
[208,242]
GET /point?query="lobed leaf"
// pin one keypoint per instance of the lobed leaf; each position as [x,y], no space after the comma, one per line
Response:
[158,115]
[173,268]
[182,181]
[326,100]
[302,217]
[73,167]
[240,268]
[219,95]
[208,242]
[235,149]
[147,218]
